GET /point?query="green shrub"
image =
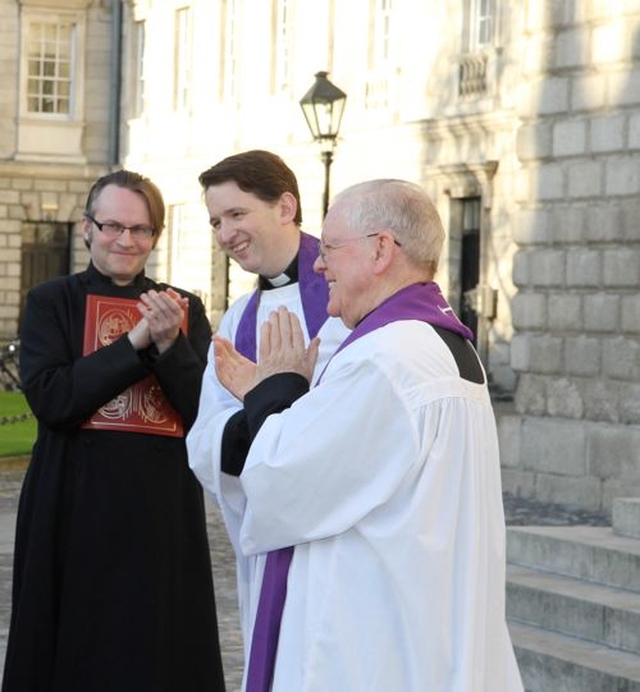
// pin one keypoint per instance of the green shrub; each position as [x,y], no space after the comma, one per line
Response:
[18,427]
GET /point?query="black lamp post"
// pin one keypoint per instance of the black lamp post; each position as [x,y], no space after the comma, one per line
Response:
[323,106]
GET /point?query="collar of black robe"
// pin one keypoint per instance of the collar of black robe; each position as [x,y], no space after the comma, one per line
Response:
[288,276]
[101,284]
[99,277]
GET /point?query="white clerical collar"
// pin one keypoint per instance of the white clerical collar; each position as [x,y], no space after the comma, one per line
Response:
[278,281]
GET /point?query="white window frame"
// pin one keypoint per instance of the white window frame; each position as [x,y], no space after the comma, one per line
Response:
[183,58]
[283,45]
[139,67]
[46,135]
[481,24]
[55,21]
[383,33]
[381,87]
[230,56]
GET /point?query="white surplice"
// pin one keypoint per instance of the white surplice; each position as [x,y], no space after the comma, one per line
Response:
[215,408]
[386,479]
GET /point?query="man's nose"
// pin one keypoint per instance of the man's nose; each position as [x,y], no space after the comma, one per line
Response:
[319,265]
[126,237]
[225,231]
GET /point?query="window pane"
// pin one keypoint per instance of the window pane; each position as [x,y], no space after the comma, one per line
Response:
[471,214]
[383,37]
[50,71]
[49,49]
[484,31]
[182,58]
[49,32]
[139,83]
[483,21]
[283,42]
[230,49]
[64,35]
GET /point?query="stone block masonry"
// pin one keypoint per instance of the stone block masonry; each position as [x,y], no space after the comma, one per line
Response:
[577,314]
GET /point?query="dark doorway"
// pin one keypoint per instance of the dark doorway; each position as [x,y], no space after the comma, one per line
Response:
[45,254]
[470,262]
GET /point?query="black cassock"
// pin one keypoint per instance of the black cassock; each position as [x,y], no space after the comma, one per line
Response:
[112,584]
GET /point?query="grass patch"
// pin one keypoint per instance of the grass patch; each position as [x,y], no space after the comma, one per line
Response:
[16,438]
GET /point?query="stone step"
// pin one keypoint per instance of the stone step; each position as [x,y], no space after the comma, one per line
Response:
[601,614]
[552,662]
[626,516]
[593,553]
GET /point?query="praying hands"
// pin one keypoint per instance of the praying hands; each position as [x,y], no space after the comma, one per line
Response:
[282,349]
[163,312]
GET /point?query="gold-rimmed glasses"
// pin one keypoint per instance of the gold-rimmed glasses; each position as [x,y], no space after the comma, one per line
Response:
[325,248]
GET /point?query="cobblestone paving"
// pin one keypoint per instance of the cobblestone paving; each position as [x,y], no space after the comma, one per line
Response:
[10,484]
[518,512]
[224,579]
[222,560]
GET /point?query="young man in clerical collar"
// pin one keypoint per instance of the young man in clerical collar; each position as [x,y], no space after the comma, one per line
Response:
[254,209]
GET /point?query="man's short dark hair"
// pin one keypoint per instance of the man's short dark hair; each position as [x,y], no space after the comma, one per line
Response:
[257,171]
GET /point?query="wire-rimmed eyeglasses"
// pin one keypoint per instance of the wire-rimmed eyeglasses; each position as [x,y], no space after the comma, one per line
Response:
[113,229]
[325,248]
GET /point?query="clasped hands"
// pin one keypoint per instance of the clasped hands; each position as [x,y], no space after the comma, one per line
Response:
[282,349]
[162,314]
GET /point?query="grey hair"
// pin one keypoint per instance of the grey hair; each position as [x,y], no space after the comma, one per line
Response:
[399,206]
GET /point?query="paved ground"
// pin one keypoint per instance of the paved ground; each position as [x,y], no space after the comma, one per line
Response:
[517,511]
[223,575]
[224,579]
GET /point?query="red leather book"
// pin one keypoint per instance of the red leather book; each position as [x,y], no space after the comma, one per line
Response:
[143,407]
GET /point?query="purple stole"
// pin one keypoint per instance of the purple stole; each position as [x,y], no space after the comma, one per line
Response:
[423,302]
[314,294]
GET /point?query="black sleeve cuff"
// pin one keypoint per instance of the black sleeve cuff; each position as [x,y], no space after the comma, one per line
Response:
[150,355]
[273,395]
[235,444]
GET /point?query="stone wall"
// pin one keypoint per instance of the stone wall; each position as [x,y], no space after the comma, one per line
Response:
[41,186]
[30,192]
[551,147]
[575,433]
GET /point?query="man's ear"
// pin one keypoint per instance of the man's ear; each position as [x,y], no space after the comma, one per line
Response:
[385,251]
[86,231]
[288,207]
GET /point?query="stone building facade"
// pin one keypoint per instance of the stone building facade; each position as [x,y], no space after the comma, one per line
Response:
[521,118]
[576,313]
[52,143]
[64,80]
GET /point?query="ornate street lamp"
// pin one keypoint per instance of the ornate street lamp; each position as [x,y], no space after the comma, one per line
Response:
[323,106]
